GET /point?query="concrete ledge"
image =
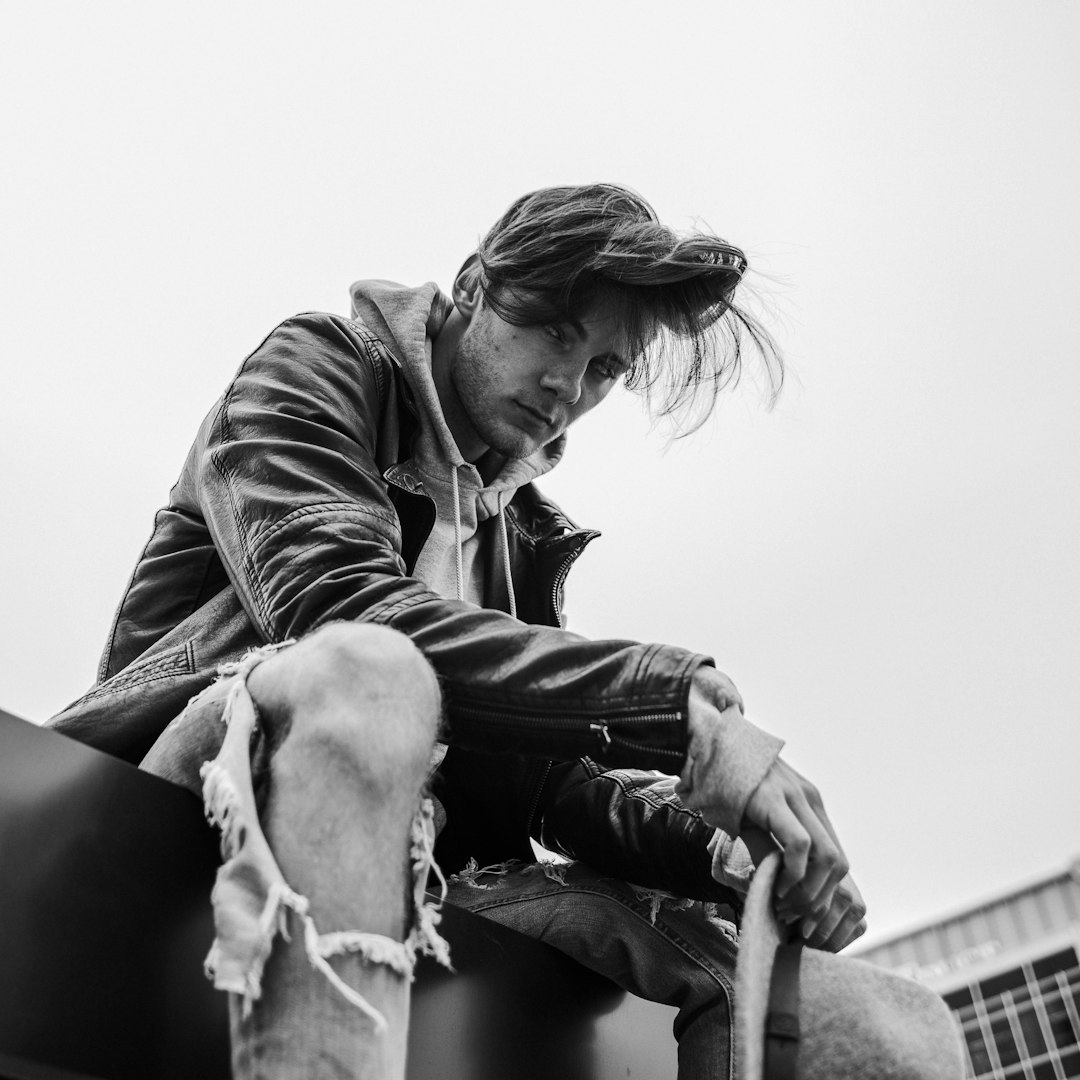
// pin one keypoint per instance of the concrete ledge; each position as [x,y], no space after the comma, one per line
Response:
[105,876]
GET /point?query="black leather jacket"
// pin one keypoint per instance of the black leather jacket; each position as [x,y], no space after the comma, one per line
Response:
[293,510]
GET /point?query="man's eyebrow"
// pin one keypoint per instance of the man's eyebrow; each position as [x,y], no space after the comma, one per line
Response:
[579,328]
[616,357]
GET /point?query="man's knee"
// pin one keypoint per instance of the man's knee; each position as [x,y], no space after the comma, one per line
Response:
[361,690]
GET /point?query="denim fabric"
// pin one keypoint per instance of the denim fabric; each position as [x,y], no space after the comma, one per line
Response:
[666,950]
[305,1012]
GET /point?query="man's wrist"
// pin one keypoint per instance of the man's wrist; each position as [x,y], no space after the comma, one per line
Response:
[727,758]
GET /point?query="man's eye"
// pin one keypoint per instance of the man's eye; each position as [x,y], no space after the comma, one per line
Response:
[555,332]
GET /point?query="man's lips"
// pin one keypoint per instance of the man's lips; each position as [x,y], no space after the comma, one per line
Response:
[540,417]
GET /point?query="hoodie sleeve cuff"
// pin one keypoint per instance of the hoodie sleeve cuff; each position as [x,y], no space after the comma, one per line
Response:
[750,755]
[724,766]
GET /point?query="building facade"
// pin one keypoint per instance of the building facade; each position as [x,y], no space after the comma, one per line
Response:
[1008,969]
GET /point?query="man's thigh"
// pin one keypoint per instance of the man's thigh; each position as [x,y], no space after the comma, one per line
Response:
[675,952]
[194,737]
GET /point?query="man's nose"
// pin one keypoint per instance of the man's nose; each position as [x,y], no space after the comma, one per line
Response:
[564,381]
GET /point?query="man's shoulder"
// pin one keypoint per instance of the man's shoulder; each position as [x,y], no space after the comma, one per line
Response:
[320,342]
[331,328]
[318,360]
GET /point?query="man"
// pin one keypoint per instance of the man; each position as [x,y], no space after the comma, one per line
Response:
[364,489]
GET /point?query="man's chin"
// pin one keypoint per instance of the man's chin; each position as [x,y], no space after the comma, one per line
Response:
[513,444]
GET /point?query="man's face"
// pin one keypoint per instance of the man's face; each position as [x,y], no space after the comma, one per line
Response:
[520,387]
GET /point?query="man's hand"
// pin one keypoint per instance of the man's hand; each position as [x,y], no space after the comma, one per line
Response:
[787,807]
[733,768]
[814,887]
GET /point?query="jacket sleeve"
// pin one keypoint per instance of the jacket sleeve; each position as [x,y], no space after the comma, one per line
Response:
[631,825]
[287,479]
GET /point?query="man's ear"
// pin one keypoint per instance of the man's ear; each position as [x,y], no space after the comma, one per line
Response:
[467,292]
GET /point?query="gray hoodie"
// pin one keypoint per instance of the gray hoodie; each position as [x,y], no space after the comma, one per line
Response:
[461,558]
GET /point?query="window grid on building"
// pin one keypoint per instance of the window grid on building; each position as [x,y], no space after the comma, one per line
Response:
[1024,1023]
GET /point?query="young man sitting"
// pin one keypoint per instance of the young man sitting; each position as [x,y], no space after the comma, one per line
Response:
[356,543]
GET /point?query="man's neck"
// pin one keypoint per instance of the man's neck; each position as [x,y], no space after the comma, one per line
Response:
[443,347]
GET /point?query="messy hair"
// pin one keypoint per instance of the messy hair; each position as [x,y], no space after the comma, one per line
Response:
[558,252]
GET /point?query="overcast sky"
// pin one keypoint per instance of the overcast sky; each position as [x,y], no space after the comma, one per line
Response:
[886,563]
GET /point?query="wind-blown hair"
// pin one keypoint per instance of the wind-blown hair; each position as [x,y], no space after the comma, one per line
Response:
[558,252]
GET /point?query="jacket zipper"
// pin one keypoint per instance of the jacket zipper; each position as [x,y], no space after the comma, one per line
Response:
[599,728]
[560,576]
[563,569]
[536,798]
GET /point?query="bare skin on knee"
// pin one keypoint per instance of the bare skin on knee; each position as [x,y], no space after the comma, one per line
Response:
[350,714]
[368,678]
[353,713]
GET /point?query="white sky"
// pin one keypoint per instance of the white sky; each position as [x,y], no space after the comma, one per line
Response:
[886,564]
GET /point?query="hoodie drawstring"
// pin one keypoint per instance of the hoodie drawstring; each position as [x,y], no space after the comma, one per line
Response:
[501,515]
[457,534]
[459,557]
[506,558]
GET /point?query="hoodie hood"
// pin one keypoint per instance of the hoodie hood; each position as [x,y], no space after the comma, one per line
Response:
[407,320]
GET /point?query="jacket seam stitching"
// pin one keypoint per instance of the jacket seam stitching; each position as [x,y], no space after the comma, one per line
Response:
[512,517]
[658,802]
[360,511]
[644,660]
[179,660]
[376,358]
[254,585]
[389,608]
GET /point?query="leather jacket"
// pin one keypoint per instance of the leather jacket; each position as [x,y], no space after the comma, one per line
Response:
[295,508]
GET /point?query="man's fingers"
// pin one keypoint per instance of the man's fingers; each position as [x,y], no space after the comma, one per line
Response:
[790,808]
[850,926]
[816,930]
[841,923]
[794,840]
[825,865]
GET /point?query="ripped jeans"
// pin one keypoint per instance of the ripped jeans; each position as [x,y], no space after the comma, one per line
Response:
[662,948]
[318,986]
[308,987]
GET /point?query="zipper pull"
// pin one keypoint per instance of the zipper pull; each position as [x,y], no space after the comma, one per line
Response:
[602,734]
